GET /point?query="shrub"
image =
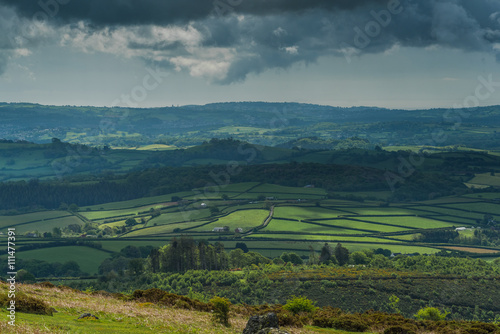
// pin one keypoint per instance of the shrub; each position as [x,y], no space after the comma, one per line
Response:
[46,284]
[399,330]
[220,310]
[481,328]
[430,313]
[300,304]
[350,323]
[324,317]
[27,304]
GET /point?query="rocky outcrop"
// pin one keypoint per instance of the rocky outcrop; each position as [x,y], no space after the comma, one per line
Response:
[88,316]
[264,324]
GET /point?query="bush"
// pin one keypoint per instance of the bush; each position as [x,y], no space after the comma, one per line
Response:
[481,328]
[350,323]
[27,304]
[399,330]
[430,313]
[220,310]
[300,304]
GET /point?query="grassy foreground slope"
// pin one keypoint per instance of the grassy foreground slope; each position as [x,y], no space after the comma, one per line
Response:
[115,316]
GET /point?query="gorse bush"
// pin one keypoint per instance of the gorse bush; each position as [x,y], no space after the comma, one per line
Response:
[300,304]
[220,310]
[27,304]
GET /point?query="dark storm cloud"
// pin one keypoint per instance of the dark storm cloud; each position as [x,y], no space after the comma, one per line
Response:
[264,34]
[132,12]
[279,41]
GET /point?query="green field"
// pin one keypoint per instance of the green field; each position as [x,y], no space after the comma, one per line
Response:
[181,216]
[301,213]
[136,202]
[445,211]
[324,237]
[291,226]
[490,208]
[410,221]
[245,219]
[486,179]
[48,225]
[358,224]
[30,217]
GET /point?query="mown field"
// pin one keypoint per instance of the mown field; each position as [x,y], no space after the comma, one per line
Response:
[299,219]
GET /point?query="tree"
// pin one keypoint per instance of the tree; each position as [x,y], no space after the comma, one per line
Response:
[326,254]
[384,252]
[131,252]
[154,257]
[430,313]
[73,208]
[295,259]
[25,276]
[220,313]
[359,258]
[341,254]
[56,232]
[300,304]
[313,257]
[135,266]
[214,210]
[393,303]
[237,258]
[130,222]
[75,228]
[242,246]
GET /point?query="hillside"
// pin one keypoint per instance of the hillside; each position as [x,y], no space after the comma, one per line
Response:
[59,309]
[255,122]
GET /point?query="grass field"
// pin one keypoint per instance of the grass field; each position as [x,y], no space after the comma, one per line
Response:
[486,179]
[48,225]
[410,221]
[300,213]
[181,216]
[291,226]
[30,217]
[478,207]
[136,202]
[335,238]
[245,219]
[359,224]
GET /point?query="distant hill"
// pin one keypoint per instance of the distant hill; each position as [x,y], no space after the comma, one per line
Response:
[255,122]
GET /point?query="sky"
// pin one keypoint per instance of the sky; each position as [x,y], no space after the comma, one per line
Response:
[146,53]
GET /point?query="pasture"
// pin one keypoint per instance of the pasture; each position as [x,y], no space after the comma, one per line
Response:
[295,226]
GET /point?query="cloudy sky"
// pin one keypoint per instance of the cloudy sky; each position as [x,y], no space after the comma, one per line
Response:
[387,53]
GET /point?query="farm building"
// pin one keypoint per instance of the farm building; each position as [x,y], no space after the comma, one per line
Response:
[218,229]
[238,230]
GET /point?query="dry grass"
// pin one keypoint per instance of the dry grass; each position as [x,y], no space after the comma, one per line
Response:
[131,313]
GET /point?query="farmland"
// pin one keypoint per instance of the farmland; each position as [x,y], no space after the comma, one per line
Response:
[295,223]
